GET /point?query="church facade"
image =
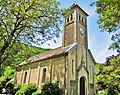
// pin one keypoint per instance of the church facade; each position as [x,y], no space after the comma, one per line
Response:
[72,64]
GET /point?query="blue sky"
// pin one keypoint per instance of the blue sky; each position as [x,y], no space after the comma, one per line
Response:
[98,42]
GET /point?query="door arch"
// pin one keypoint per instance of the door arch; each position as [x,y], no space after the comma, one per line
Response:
[82,86]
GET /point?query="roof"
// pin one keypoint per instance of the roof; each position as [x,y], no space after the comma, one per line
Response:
[49,54]
[76,5]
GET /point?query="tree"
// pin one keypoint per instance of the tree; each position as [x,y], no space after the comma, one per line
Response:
[7,76]
[50,88]
[7,69]
[109,20]
[19,53]
[22,20]
[109,75]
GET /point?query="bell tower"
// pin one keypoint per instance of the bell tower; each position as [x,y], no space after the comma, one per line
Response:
[75,27]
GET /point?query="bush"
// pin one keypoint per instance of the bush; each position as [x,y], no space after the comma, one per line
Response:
[113,92]
[9,87]
[36,93]
[2,81]
[17,87]
[50,89]
[1,89]
[27,89]
[107,92]
[6,76]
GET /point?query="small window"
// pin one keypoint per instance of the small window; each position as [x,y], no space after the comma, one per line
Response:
[82,19]
[44,75]
[67,19]
[79,17]
[90,71]
[25,77]
[71,16]
[72,66]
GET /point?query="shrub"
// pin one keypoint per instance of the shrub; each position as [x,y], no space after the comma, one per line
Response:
[6,76]
[2,81]
[27,89]
[36,93]
[17,87]
[107,92]
[50,89]
[113,92]
[9,87]
[0,89]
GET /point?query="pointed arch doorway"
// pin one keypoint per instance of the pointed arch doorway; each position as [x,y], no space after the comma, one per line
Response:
[82,86]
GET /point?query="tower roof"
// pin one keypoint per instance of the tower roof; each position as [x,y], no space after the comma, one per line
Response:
[76,5]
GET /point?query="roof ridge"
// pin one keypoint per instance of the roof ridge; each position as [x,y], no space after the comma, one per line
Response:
[75,4]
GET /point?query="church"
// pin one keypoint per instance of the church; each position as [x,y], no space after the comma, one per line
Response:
[72,64]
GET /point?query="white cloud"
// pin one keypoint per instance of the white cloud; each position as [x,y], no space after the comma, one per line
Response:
[100,48]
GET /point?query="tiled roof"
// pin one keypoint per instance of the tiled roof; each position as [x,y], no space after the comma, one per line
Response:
[48,54]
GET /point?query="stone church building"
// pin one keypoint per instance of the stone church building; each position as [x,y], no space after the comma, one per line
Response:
[72,64]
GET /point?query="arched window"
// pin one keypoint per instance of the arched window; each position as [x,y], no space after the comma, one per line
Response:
[44,75]
[25,77]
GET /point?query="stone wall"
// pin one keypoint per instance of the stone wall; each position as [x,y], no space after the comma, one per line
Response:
[55,71]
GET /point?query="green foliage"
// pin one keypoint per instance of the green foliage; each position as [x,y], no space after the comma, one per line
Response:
[28,21]
[97,65]
[9,72]
[7,75]
[103,92]
[8,68]
[10,86]
[113,92]
[36,93]
[27,89]
[96,69]
[109,20]
[109,75]
[30,89]
[50,89]
[2,81]
[17,87]
[20,53]
[106,92]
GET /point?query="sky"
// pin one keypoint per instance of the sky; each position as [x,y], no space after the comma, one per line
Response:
[98,42]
